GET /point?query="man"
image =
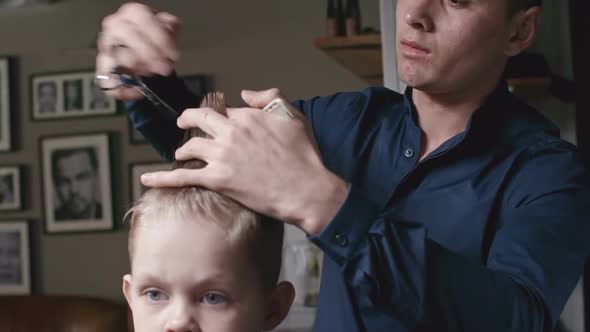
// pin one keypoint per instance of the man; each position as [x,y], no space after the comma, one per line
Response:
[75,176]
[47,97]
[453,207]
[72,95]
[6,189]
[98,100]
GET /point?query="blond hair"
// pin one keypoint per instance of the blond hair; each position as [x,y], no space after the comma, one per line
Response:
[261,236]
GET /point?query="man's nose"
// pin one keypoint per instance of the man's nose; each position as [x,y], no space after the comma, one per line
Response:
[182,319]
[418,14]
[75,187]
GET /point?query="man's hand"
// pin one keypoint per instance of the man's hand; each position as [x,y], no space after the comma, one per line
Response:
[269,163]
[149,38]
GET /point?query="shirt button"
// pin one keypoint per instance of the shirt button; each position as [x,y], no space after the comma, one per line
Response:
[340,240]
[409,153]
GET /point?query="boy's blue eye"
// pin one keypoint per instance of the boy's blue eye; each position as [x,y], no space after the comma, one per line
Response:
[213,298]
[154,295]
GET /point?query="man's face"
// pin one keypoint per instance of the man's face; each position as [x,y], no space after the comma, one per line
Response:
[47,95]
[71,90]
[76,182]
[9,257]
[449,45]
[186,276]
[5,189]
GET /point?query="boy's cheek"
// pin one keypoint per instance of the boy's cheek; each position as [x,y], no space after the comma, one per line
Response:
[146,320]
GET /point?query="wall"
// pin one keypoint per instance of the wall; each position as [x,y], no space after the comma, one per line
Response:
[254,45]
[555,43]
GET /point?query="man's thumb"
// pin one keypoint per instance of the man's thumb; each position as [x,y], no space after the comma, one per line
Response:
[259,99]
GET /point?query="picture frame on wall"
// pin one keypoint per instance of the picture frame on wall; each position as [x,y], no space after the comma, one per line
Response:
[15,260]
[10,188]
[58,96]
[77,183]
[135,172]
[5,102]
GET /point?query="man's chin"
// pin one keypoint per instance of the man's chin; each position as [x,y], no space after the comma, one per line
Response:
[78,210]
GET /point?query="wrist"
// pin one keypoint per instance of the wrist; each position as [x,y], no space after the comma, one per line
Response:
[325,196]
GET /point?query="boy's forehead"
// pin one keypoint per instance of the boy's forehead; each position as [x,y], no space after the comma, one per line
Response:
[163,237]
[187,250]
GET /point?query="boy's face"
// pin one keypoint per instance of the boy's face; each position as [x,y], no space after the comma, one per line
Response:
[187,277]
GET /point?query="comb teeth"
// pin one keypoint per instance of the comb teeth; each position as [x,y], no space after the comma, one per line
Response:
[216,101]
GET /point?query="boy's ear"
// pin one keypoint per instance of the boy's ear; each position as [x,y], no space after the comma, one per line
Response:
[127,289]
[281,299]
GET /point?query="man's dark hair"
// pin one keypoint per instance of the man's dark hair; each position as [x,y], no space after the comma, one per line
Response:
[49,84]
[63,153]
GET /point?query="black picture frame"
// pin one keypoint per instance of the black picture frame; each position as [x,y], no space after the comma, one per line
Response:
[6,103]
[11,195]
[17,272]
[50,100]
[69,218]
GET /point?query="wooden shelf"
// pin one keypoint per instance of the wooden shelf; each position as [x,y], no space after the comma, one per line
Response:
[359,54]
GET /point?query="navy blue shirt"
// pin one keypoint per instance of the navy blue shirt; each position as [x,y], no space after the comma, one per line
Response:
[487,233]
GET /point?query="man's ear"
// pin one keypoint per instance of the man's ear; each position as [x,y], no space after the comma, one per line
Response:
[127,289]
[281,299]
[523,30]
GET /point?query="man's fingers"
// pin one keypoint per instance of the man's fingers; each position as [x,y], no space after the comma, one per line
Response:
[171,22]
[209,120]
[259,99]
[180,177]
[197,148]
[151,46]
[158,32]
[104,64]
[139,46]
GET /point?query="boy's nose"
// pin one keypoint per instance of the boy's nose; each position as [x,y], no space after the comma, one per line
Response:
[182,320]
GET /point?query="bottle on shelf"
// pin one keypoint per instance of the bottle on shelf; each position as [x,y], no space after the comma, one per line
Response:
[333,19]
[352,18]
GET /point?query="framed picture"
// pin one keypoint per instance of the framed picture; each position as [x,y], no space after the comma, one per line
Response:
[10,194]
[69,95]
[136,170]
[198,84]
[77,183]
[4,105]
[15,266]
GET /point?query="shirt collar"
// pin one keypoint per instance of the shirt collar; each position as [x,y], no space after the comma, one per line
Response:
[477,119]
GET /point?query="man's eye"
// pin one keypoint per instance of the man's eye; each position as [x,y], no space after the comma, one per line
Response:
[457,2]
[155,295]
[213,299]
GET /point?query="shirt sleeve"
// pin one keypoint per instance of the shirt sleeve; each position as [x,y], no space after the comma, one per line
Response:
[159,126]
[537,254]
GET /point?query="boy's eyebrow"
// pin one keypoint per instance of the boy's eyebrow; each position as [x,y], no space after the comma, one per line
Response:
[216,278]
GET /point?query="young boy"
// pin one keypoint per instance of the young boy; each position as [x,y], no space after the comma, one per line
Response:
[202,262]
